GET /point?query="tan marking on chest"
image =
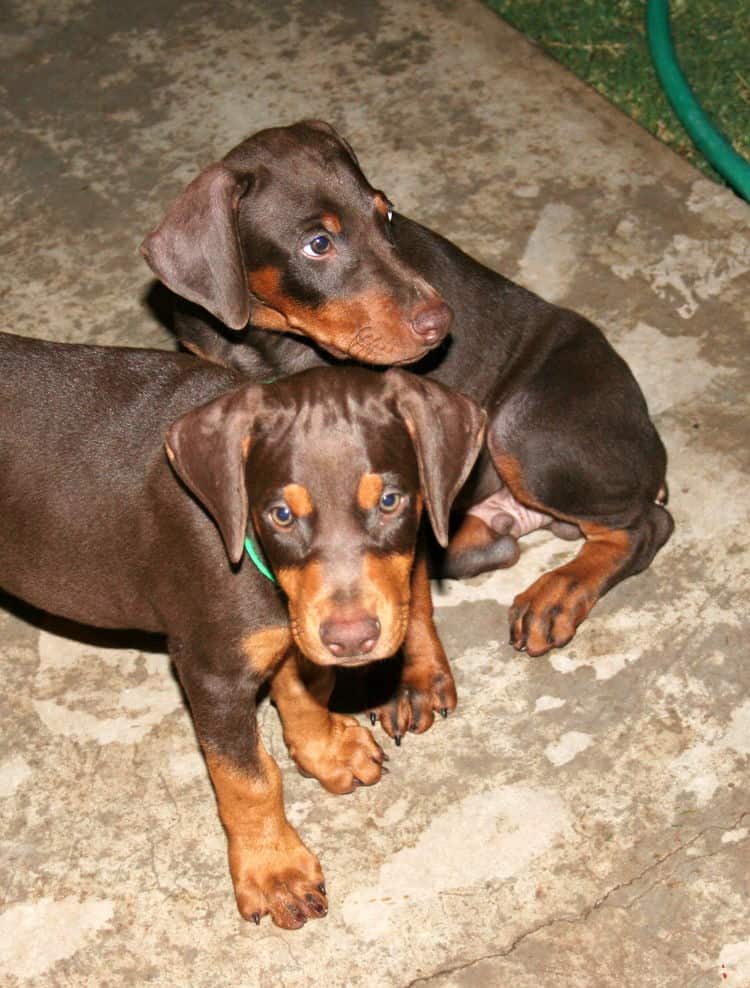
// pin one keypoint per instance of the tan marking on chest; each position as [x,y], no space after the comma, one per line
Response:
[266,648]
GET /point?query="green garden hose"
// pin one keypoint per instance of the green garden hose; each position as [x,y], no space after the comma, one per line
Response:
[716,149]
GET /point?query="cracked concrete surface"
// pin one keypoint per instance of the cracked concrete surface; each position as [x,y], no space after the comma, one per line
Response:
[583,819]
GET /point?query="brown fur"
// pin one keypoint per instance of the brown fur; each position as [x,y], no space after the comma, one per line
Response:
[569,428]
[91,479]
[331,747]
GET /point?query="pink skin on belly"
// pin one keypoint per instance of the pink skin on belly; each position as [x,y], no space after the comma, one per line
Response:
[506,516]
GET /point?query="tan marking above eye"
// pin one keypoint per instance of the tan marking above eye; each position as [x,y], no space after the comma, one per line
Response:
[331,222]
[381,204]
[299,500]
[369,491]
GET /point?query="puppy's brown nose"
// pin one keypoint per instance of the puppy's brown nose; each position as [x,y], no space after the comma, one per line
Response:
[347,638]
[431,321]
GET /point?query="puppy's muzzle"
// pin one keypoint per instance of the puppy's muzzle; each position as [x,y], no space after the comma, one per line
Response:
[431,321]
[350,635]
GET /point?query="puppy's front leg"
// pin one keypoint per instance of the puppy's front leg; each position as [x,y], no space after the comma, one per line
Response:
[333,748]
[272,870]
[427,683]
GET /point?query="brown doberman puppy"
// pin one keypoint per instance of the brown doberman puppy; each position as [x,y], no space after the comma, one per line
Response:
[329,470]
[286,233]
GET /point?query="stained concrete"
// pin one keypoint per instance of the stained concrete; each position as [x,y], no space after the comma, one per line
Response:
[583,819]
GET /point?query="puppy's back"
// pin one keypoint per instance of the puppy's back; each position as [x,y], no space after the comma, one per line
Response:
[81,456]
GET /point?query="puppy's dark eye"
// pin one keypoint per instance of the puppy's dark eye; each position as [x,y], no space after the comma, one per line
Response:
[389,214]
[282,516]
[389,502]
[318,246]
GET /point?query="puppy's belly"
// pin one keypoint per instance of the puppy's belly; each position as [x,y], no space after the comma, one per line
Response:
[502,513]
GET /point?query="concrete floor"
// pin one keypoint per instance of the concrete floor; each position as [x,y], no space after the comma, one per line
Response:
[583,819]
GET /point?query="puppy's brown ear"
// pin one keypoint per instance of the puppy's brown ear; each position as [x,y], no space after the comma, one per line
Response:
[326,128]
[447,430]
[208,448]
[196,249]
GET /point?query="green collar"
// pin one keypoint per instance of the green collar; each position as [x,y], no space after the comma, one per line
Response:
[259,564]
[250,545]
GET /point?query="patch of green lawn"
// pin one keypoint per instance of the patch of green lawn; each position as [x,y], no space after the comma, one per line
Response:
[604,43]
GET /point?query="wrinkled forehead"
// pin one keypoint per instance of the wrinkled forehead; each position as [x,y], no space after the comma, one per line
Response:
[309,193]
[309,171]
[328,450]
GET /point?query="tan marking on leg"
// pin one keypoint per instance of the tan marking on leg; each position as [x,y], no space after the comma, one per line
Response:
[511,473]
[299,500]
[272,870]
[369,491]
[473,533]
[265,648]
[547,614]
[332,748]
[421,631]
[427,682]
[476,548]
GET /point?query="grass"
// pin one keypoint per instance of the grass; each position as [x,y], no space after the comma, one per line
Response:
[604,43]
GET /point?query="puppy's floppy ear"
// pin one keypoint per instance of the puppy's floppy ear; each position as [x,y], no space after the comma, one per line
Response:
[447,430]
[208,448]
[326,128]
[196,249]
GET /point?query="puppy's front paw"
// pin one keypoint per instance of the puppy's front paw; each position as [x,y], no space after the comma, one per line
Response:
[421,692]
[339,753]
[282,879]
